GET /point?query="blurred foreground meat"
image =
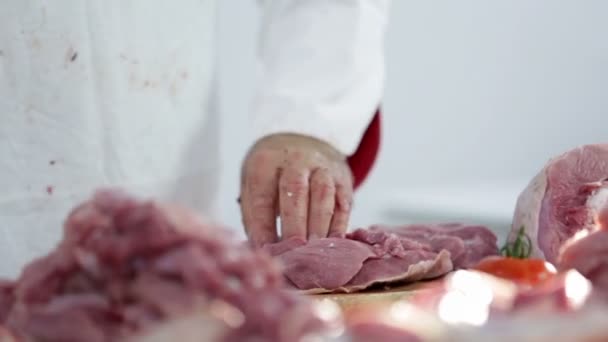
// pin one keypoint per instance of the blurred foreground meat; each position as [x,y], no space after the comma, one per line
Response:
[130,269]
[382,255]
[471,306]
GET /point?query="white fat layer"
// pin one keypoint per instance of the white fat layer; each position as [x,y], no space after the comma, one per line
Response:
[527,211]
[597,201]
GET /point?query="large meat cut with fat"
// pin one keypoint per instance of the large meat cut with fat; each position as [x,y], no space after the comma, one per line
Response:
[382,255]
[564,198]
[128,268]
[564,211]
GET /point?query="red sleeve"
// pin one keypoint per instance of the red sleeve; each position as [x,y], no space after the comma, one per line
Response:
[362,161]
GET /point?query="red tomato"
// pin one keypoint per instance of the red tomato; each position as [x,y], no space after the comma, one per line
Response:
[523,271]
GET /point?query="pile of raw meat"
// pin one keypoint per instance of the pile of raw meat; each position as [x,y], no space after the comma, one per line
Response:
[382,255]
[564,210]
[131,270]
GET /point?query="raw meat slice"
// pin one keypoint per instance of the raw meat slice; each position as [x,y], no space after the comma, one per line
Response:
[126,266]
[564,198]
[382,254]
[467,244]
[415,265]
[324,264]
[386,241]
[341,264]
[400,259]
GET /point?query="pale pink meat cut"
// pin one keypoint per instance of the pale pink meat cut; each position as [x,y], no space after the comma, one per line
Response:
[466,243]
[413,266]
[325,263]
[382,255]
[564,198]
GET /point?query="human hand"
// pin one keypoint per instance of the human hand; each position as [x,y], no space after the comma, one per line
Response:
[304,181]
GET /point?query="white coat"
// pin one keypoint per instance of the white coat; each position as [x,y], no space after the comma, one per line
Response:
[122,93]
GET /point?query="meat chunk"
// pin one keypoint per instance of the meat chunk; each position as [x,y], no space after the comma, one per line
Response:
[466,243]
[565,197]
[325,263]
[382,255]
[127,268]
[413,266]
[588,255]
[564,211]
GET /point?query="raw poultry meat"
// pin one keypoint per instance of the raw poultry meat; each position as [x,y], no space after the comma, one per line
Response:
[564,198]
[382,255]
[126,268]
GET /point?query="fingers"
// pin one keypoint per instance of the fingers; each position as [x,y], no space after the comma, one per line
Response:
[339,222]
[322,203]
[304,182]
[258,202]
[293,199]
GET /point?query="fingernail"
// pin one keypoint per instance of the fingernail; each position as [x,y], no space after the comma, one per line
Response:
[312,237]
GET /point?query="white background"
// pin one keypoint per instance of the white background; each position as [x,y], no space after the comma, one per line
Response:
[479,95]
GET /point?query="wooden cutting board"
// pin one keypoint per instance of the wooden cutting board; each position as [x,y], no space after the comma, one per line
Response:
[349,301]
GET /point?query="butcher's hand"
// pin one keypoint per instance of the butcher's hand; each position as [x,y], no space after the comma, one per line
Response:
[304,181]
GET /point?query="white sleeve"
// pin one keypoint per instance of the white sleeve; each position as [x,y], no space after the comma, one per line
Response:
[321,69]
